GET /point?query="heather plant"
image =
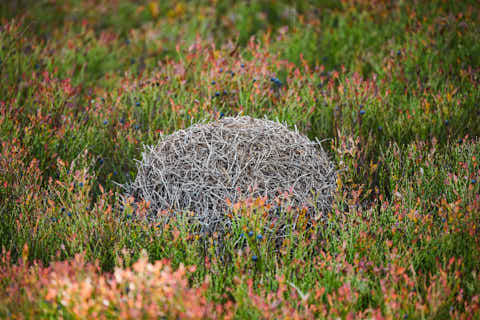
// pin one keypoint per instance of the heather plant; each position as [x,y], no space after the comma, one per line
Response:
[390,86]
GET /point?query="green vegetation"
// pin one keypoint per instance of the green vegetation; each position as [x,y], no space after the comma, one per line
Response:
[392,85]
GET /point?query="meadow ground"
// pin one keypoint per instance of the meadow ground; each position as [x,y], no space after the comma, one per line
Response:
[392,85]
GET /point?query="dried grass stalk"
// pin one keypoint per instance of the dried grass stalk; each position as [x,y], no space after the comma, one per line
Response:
[233,158]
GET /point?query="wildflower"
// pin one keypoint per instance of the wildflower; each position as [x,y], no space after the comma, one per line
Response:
[242,65]
[250,233]
[137,103]
[460,140]
[217,94]
[213,82]
[114,173]
[380,128]
[122,120]
[225,92]
[127,41]
[129,216]
[105,122]
[242,235]
[254,258]
[63,209]
[474,181]
[221,70]
[222,115]
[37,66]
[100,160]
[54,219]
[69,213]
[399,53]
[137,127]
[362,112]
[80,184]
[276,81]
[259,237]
[446,122]
[254,79]
[232,73]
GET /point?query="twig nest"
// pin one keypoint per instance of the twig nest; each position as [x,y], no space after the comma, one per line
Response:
[199,168]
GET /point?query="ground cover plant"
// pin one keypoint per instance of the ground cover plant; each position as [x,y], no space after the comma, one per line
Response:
[392,86]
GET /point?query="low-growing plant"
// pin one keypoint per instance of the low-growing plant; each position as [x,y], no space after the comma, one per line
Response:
[391,85]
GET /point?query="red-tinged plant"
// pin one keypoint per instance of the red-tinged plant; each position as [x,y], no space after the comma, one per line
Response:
[79,289]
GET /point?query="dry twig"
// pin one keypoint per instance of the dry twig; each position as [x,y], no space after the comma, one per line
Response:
[198,168]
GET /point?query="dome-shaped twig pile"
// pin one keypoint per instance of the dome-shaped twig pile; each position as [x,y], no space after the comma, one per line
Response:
[198,168]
